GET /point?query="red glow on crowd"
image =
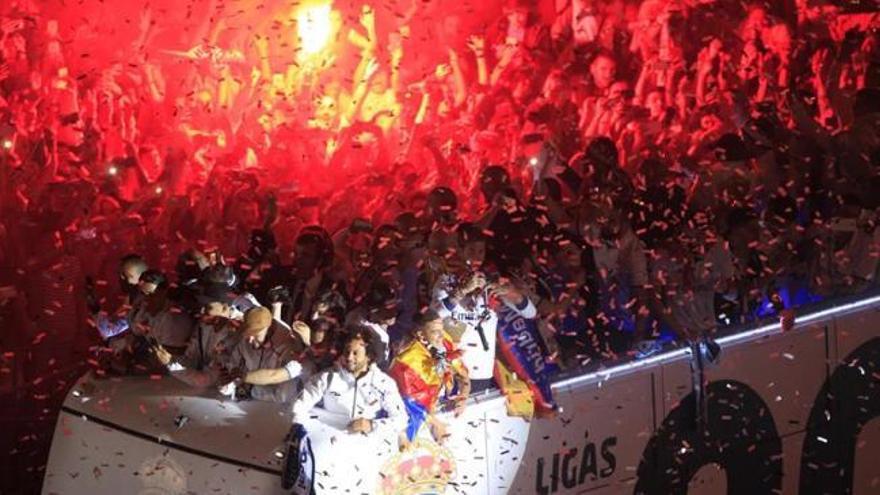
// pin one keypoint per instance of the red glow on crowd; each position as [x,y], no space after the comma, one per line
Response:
[160,127]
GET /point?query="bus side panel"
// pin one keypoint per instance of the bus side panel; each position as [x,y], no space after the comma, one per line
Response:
[89,458]
[509,448]
[786,370]
[594,445]
[854,330]
[843,437]
[758,398]
[866,479]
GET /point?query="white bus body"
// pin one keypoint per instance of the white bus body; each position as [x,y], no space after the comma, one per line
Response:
[791,413]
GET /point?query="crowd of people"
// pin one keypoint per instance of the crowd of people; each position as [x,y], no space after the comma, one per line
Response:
[623,176]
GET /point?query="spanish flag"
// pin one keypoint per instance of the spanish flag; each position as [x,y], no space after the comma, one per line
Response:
[422,376]
[519,399]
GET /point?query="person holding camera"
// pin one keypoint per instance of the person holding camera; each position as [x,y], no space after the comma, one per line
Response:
[468,298]
[296,292]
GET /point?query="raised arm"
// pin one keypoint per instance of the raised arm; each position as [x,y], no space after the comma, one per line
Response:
[446,302]
[477,44]
[460,94]
[506,57]
[704,69]
[365,71]
[515,299]
[396,58]
[807,124]
[367,20]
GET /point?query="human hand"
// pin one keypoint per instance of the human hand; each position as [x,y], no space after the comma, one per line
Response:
[403,442]
[162,355]
[508,293]
[707,56]
[145,20]
[477,44]
[230,375]
[477,281]
[442,71]
[459,404]
[199,52]
[714,48]
[368,17]
[303,331]
[506,53]
[214,258]
[439,431]
[787,319]
[262,44]
[600,105]
[704,62]
[360,425]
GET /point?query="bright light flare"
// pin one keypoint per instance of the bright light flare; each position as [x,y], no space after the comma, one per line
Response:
[314,26]
[7,144]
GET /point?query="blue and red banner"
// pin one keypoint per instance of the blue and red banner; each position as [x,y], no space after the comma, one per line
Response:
[523,349]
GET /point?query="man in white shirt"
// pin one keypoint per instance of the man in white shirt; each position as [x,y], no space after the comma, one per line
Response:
[357,426]
[466,299]
[355,388]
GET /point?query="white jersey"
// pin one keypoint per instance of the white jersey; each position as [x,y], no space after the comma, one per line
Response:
[479,360]
[349,397]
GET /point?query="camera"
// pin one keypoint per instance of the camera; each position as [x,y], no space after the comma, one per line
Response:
[278,294]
